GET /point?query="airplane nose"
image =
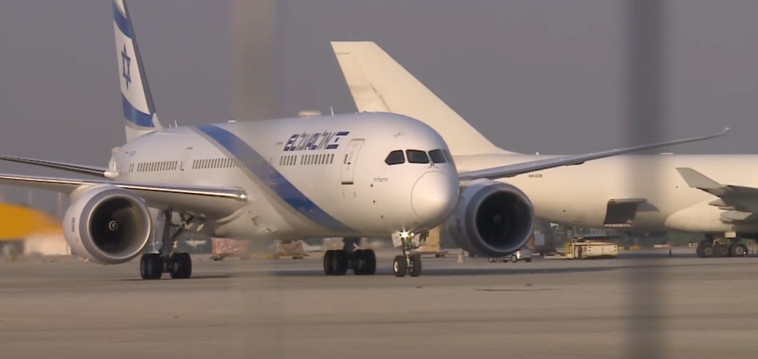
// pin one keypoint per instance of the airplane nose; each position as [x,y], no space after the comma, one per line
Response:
[434,196]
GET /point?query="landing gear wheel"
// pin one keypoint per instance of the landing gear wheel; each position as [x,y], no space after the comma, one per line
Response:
[180,265]
[364,262]
[415,269]
[400,266]
[151,266]
[359,262]
[514,258]
[720,250]
[371,262]
[706,250]
[738,250]
[335,262]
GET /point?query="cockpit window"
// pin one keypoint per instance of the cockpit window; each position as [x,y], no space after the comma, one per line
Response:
[437,156]
[395,158]
[448,156]
[416,156]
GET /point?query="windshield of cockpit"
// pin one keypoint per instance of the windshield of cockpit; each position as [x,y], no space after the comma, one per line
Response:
[436,156]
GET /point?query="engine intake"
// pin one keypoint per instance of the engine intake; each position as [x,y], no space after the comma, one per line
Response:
[107,225]
[492,219]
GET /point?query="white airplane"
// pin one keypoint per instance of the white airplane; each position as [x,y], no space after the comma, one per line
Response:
[355,175]
[649,193]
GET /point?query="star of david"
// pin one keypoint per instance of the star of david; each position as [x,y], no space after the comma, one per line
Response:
[127,61]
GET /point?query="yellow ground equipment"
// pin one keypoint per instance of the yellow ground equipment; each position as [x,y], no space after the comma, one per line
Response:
[293,249]
[584,249]
[432,244]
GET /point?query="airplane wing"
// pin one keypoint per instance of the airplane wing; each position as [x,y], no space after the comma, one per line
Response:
[740,204]
[195,199]
[88,170]
[526,167]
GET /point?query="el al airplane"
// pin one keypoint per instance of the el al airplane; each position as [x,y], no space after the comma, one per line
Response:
[369,174]
[649,193]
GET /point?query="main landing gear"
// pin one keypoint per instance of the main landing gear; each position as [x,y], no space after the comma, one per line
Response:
[177,265]
[720,247]
[360,261]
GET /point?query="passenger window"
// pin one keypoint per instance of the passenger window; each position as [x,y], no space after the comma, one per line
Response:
[416,156]
[395,158]
[437,156]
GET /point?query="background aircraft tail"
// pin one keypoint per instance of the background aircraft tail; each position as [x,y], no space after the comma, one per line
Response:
[139,110]
[378,83]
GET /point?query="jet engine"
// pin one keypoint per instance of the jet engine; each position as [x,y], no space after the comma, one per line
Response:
[106,224]
[491,219]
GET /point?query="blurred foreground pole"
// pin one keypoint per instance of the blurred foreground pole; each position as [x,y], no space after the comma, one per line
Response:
[644,124]
[257,327]
[253,59]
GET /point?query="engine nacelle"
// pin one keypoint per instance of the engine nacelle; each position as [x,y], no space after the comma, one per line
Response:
[491,219]
[107,225]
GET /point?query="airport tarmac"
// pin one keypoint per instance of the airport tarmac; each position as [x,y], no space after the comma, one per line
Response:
[645,305]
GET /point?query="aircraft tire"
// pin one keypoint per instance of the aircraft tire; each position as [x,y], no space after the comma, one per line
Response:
[371,260]
[360,262]
[738,250]
[706,250]
[328,262]
[150,266]
[180,265]
[720,250]
[399,266]
[415,269]
[365,262]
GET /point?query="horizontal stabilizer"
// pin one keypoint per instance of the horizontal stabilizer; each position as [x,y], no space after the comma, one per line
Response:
[696,179]
[740,203]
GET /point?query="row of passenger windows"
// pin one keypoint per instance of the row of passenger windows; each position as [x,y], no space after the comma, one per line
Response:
[417,156]
[216,163]
[154,166]
[316,159]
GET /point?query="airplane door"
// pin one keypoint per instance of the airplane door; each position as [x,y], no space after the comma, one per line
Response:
[186,162]
[348,164]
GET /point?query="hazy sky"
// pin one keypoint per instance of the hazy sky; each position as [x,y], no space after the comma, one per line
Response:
[535,75]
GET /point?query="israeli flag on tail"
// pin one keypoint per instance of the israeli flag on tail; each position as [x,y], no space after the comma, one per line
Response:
[139,110]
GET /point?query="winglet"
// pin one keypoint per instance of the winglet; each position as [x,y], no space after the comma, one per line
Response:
[696,179]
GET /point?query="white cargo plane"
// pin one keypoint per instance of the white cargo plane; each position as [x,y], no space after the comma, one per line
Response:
[649,193]
[370,174]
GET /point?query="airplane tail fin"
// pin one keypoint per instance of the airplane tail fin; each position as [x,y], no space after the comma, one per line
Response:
[378,83]
[137,101]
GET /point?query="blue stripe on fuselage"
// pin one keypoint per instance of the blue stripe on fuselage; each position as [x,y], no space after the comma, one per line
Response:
[121,21]
[271,177]
[136,116]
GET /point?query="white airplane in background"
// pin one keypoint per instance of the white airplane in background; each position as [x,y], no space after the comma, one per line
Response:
[370,174]
[649,193]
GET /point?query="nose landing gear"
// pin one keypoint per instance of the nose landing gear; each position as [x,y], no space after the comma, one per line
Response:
[409,262]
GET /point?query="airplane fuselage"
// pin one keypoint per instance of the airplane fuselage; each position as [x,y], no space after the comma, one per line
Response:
[579,195]
[311,177]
